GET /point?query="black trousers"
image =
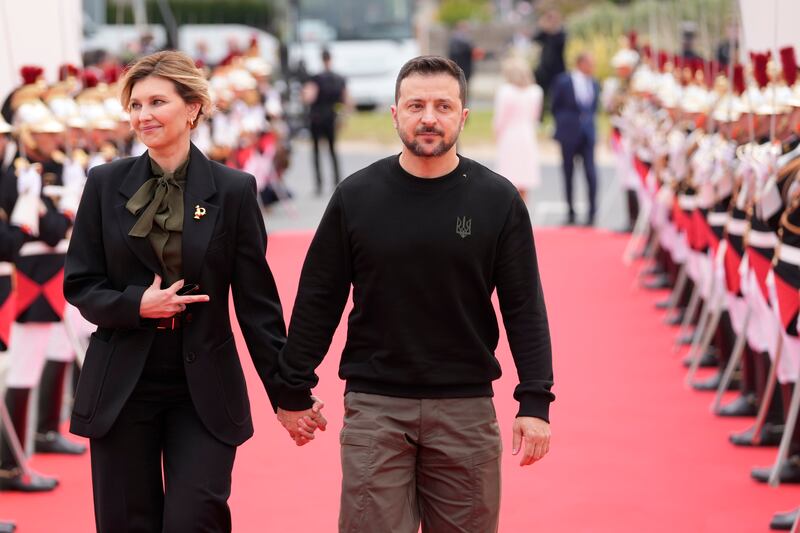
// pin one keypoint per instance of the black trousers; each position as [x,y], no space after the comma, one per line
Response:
[159,469]
[324,129]
[585,150]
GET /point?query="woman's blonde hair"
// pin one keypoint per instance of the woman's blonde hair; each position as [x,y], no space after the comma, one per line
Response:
[517,71]
[177,67]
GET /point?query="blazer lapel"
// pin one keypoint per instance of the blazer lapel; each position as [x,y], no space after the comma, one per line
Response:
[199,215]
[140,246]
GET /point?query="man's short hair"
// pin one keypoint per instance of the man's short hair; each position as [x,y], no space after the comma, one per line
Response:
[428,65]
[326,55]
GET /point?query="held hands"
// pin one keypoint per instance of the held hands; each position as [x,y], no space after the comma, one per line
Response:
[157,303]
[534,434]
[302,424]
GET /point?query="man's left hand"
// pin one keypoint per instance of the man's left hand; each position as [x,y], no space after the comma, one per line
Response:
[302,424]
[532,436]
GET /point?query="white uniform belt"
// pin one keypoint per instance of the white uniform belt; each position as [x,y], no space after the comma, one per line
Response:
[718,218]
[789,254]
[761,239]
[736,226]
[40,248]
[686,202]
[6,268]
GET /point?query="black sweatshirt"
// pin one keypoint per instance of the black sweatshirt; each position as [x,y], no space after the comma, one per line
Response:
[423,257]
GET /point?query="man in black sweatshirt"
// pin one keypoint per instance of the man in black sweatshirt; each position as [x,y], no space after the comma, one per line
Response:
[423,238]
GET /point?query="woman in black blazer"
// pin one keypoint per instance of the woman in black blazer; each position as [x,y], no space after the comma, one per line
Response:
[158,243]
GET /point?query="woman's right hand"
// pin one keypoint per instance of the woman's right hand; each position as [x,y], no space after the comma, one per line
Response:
[158,303]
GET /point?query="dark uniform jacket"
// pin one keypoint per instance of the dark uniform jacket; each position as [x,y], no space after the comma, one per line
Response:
[40,264]
[107,271]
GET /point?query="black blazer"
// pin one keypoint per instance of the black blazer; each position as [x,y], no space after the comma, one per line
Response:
[107,271]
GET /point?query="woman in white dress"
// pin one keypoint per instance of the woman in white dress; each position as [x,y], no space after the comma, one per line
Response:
[517,111]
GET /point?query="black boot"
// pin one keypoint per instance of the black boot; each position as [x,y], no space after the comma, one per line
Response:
[708,360]
[633,208]
[744,405]
[664,304]
[713,383]
[659,281]
[653,270]
[770,436]
[676,318]
[771,432]
[12,476]
[784,521]
[51,397]
[789,472]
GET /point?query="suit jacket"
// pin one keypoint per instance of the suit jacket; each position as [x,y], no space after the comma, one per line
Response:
[574,122]
[107,272]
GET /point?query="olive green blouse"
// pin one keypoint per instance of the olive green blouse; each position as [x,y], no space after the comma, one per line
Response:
[159,205]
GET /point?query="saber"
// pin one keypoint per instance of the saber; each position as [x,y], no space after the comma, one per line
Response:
[713,311]
[702,323]
[711,327]
[648,255]
[691,309]
[733,363]
[680,285]
[7,429]
[641,232]
[768,393]
[788,434]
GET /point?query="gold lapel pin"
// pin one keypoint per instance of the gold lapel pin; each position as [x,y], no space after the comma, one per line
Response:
[199,212]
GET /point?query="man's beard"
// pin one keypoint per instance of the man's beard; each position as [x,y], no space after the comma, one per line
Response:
[423,150]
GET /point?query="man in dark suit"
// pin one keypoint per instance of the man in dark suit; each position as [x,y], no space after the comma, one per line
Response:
[574,104]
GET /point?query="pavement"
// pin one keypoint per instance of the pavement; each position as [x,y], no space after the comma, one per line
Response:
[547,208]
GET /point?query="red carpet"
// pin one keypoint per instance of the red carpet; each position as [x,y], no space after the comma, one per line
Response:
[632,451]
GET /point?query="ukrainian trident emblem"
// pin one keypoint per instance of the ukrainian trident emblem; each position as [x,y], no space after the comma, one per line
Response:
[199,212]
[463,227]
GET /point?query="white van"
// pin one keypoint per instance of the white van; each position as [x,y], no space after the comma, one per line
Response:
[117,39]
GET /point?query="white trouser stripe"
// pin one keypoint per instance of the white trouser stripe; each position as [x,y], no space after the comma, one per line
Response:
[40,248]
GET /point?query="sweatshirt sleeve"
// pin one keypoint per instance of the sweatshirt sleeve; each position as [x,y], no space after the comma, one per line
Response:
[522,306]
[321,296]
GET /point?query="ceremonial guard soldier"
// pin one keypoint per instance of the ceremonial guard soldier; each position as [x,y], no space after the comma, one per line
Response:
[39,352]
[613,96]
